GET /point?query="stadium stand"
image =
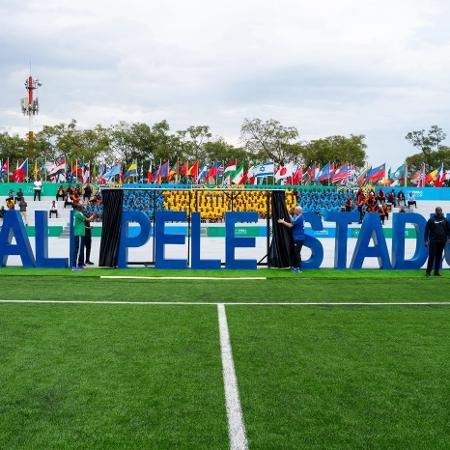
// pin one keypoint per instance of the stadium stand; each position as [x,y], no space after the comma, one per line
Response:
[212,204]
[320,202]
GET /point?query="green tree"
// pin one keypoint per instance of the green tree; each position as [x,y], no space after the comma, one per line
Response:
[144,143]
[13,147]
[337,149]
[219,150]
[61,141]
[427,142]
[194,140]
[432,161]
[270,140]
[94,145]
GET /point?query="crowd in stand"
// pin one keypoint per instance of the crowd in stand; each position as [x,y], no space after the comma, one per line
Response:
[382,203]
[319,202]
[146,201]
[71,195]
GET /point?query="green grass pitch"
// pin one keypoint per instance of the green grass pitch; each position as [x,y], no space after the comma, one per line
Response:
[135,376]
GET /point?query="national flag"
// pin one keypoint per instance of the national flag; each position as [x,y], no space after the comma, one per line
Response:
[203,173]
[230,169]
[238,175]
[422,178]
[342,173]
[441,176]
[149,174]
[193,171]
[132,171]
[310,173]
[284,171]
[325,173]
[377,173]
[431,177]
[297,175]
[184,169]
[112,172]
[265,170]
[21,171]
[36,169]
[163,171]
[399,174]
[86,173]
[173,172]
[77,170]
[5,168]
[415,178]
[213,171]
[316,172]
[56,171]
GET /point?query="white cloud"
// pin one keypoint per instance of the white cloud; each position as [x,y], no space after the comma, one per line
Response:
[371,67]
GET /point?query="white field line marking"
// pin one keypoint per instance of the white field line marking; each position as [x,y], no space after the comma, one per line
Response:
[236,427]
[126,277]
[150,303]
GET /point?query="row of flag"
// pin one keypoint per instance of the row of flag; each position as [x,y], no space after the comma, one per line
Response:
[57,172]
[224,174]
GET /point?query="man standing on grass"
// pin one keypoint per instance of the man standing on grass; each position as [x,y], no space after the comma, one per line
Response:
[298,236]
[437,233]
[79,231]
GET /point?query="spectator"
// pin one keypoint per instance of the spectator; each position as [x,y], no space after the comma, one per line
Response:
[67,201]
[371,203]
[70,191]
[37,185]
[60,194]
[381,197]
[437,233]
[87,192]
[401,199]
[298,236]
[361,202]
[76,196]
[53,210]
[19,195]
[349,205]
[10,202]
[384,213]
[391,197]
[23,210]
[411,200]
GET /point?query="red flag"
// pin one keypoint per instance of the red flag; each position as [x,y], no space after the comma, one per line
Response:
[193,171]
[184,169]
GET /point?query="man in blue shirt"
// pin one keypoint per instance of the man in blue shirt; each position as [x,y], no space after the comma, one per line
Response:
[298,236]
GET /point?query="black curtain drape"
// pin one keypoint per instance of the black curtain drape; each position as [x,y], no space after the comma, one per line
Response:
[112,217]
[281,252]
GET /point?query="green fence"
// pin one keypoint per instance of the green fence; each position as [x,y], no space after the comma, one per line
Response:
[49,189]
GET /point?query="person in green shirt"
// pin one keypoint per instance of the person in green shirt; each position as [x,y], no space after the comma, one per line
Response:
[79,232]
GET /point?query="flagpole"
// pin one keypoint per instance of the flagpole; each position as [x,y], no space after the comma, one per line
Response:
[405,169]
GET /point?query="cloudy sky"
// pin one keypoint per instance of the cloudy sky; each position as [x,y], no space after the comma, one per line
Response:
[375,67]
